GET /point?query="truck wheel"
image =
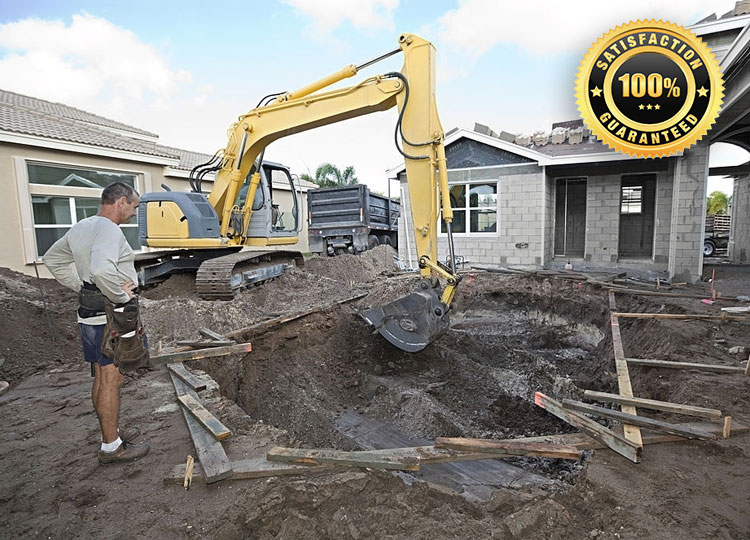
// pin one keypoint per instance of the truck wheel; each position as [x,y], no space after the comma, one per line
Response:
[385,240]
[709,248]
[372,241]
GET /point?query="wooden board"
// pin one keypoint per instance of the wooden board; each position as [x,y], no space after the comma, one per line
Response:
[686,316]
[673,295]
[684,365]
[210,334]
[619,444]
[655,405]
[366,459]
[188,378]
[214,462]
[218,430]
[253,468]
[184,356]
[203,344]
[632,433]
[656,425]
[509,448]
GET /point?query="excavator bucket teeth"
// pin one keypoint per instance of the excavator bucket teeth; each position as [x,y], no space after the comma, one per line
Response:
[412,322]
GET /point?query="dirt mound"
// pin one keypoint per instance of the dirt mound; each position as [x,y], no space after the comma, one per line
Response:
[38,325]
[360,268]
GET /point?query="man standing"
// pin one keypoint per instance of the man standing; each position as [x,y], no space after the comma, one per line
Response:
[94,258]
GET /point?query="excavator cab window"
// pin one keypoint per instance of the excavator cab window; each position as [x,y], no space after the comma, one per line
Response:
[284,204]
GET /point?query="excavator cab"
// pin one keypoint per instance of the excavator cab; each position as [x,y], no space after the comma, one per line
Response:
[275,206]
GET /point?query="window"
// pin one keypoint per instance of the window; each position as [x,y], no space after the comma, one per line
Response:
[632,197]
[480,205]
[62,196]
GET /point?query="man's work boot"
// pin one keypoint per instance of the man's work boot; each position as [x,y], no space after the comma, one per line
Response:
[129,435]
[125,452]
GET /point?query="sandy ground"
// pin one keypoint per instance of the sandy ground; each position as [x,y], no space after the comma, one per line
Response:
[512,336]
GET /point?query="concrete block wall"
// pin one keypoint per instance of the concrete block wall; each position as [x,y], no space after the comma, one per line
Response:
[688,211]
[602,218]
[739,241]
[521,208]
[663,224]
[549,219]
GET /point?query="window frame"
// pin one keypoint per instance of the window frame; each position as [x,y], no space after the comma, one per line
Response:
[27,190]
[467,208]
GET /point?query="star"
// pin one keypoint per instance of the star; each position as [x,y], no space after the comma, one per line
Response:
[702,92]
[649,107]
[657,106]
[641,106]
[596,91]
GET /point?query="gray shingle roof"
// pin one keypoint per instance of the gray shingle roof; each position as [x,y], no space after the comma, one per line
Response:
[29,122]
[188,159]
[65,111]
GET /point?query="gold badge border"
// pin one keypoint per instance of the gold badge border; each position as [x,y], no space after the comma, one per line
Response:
[664,150]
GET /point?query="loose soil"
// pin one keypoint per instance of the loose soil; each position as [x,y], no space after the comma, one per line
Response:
[306,382]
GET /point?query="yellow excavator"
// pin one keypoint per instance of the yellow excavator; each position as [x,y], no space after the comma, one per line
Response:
[210,232]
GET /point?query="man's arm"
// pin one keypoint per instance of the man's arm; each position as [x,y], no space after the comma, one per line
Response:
[59,261]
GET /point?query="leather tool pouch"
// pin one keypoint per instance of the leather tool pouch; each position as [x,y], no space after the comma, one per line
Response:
[124,340]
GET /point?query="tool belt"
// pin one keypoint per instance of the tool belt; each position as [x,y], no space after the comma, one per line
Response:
[90,301]
[124,340]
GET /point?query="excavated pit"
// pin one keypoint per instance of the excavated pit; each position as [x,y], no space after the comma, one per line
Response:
[331,383]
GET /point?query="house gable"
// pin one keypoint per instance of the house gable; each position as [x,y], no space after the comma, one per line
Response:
[466,153]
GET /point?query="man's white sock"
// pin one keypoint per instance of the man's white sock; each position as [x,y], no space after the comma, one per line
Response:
[111,446]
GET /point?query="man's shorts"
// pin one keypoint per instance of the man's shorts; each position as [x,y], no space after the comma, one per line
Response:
[91,338]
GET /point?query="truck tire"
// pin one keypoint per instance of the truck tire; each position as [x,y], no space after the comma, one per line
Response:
[385,240]
[709,248]
[372,241]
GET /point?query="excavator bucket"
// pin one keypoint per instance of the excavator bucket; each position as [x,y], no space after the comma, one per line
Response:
[412,322]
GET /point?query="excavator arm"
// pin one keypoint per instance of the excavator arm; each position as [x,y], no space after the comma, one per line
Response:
[416,320]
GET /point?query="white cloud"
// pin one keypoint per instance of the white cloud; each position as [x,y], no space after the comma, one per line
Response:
[328,15]
[91,63]
[557,27]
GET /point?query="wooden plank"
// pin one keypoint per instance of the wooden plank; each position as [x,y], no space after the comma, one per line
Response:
[683,316]
[218,430]
[202,344]
[184,356]
[684,365]
[621,445]
[283,319]
[632,433]
[248,469]
[214,462]
[366,459]
[210,334]
[653,404]
[188,378]
[650,423]
[508,448]
[673,295]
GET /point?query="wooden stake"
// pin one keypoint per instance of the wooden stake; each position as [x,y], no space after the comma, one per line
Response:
[606,436]
[654,404]
[747,367]
[684,365]
[188,472]
[650,423]
[727,427]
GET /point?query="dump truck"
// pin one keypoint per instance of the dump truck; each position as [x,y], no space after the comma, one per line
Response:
[350,219]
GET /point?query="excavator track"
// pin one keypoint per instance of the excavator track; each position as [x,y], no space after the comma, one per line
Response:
[221,277]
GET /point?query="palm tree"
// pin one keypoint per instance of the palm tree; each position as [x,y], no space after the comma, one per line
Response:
[717,203]
[328,175]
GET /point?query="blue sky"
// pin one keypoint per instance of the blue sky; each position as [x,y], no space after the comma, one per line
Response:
[186,70]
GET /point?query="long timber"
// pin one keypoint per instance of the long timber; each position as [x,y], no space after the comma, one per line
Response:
[632,433]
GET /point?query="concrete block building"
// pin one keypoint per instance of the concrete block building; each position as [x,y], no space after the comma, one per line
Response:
[539,202]
[55,160]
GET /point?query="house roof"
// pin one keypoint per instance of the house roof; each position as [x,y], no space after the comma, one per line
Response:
[29,116]
[61,110]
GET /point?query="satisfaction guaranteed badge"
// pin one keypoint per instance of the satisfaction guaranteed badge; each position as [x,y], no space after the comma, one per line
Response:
[649,89]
